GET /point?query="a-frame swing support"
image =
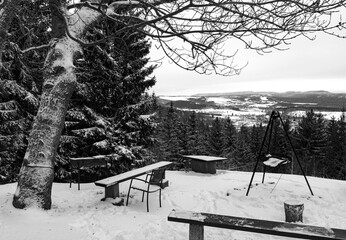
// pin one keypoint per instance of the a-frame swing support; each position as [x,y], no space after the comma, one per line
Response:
[273,116]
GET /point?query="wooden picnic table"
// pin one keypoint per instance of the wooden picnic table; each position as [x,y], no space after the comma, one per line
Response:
[111,184]
[78,163]
[204,164]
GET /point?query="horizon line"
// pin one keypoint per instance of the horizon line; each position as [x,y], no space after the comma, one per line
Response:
[245,92]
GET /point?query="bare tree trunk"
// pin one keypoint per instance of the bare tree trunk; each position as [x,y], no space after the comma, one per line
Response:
[37,172]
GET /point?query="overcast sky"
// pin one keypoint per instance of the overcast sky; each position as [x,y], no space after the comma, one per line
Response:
[307,65]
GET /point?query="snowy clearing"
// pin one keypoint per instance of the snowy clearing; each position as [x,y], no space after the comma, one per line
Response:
[81,215]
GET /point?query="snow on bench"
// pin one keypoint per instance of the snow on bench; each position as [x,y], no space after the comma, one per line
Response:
[111,184]
[198,220]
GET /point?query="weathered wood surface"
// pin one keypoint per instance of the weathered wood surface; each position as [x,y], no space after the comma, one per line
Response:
[196,232]
[131,174]
[256,225]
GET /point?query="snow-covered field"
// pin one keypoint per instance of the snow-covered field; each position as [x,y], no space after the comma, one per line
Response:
[81,215]
[250,111]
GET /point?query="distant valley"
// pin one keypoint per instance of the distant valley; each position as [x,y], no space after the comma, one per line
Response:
[251,108]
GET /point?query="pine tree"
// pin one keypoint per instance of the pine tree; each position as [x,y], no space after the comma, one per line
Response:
[312,142]
[169,136]
[183,136]
[256,139]
[229,135]
[20,85]
[242,154]
[192,134]
[203,137]
[342,143]
[216,144]
[111,101]
[229,138]
[334,148]
[111,76]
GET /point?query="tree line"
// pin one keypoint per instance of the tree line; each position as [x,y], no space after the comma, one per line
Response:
[320,144]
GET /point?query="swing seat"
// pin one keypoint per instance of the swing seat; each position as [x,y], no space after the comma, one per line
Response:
[275,160]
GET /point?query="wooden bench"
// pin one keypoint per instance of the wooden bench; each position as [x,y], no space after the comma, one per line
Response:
[198,220]
[78,163]
[111,184]
[204,164]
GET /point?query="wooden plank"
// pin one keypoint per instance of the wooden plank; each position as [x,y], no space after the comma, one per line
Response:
[257,226]
[131,174]
[204,158]
[111,192]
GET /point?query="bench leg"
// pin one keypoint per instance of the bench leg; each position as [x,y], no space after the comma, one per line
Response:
[196,232]
[111,192]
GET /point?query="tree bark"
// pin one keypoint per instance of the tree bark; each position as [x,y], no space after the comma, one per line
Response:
[37,172]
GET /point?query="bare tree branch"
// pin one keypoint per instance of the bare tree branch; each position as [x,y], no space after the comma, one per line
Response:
[17,48]
[205,27]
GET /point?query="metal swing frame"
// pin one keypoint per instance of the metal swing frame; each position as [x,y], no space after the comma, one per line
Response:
[274,115]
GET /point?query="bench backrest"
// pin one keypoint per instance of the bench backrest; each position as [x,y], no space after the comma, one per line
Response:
[253,225]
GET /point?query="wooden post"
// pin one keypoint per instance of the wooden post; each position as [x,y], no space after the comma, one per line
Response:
[294,211]
[196,232]
[111,192]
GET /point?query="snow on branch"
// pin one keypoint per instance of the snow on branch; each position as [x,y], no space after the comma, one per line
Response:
[17,48]
[92,132]
[14,91]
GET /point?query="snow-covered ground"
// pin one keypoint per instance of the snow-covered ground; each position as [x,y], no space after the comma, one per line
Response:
[78,215]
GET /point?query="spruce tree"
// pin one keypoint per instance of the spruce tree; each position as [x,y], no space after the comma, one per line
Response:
[169,135]
[256,139]
[111,76]
[229,137]
[333,150]
[312,142]
[216,144]
[20,84]
[192,134]
[111,112]
[342,143]
[203,137]
[243,156]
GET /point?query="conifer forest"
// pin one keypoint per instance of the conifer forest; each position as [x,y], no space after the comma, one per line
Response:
[320,144]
